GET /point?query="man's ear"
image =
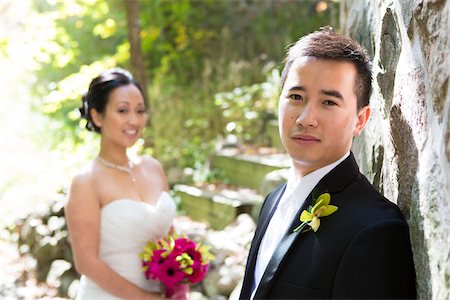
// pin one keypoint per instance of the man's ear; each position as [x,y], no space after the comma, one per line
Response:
[97,118]
[363,117]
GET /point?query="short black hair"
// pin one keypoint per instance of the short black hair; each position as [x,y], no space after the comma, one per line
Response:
[327,44]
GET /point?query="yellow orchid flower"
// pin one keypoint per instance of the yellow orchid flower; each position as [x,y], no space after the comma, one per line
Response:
[321,208]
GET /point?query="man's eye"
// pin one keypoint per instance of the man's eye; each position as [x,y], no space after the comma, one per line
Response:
[296,97]
[329,102]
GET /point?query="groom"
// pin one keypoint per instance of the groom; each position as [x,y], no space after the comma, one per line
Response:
[362,249]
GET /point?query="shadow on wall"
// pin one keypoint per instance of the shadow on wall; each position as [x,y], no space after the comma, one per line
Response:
[406,154]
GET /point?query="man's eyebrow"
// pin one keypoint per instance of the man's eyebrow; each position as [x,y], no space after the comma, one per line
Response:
[332,93]
[297,88]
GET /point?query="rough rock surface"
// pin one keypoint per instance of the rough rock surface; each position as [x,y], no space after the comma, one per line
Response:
[405,150]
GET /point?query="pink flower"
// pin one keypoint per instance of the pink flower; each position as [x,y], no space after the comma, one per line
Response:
[183,245]
[154,265]
[175,260]
[169,273]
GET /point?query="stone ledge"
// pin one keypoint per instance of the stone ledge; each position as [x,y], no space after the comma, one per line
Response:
[248,170]
[217,208]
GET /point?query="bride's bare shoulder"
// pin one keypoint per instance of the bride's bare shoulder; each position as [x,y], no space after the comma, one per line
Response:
[83,184]
[148,161]
[85,176]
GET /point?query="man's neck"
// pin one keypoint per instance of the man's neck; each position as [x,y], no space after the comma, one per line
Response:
[300,172]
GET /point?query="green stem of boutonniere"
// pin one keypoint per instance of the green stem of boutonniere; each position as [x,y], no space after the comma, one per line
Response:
[301,227]
[311,216]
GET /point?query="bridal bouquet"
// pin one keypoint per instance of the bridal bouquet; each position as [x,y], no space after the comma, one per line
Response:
[175,260]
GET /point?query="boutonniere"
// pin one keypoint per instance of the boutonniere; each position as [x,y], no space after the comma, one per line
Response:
[320,208]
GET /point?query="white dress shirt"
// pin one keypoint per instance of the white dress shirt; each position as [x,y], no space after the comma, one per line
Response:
[292,199]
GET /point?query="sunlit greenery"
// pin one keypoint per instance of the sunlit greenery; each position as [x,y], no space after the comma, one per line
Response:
[212,68]
[212,65]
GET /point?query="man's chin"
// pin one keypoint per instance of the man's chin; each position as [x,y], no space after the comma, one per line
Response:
[306,164]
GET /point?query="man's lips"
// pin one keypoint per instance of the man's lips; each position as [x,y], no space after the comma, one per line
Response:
[305,138]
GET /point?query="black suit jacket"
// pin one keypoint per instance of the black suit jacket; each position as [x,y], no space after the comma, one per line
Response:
[361,251]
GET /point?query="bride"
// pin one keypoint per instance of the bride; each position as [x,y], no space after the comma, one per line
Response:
[117,205]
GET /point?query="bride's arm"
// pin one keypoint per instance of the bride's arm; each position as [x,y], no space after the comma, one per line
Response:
[83,219]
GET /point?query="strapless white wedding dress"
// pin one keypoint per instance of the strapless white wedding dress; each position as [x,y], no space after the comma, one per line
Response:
[125,228]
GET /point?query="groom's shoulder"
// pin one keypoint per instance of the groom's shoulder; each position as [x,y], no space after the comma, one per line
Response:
[361,197]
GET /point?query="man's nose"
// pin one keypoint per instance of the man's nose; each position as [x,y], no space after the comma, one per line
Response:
[307,117]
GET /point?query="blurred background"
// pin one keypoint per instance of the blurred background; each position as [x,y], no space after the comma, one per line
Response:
[212,71]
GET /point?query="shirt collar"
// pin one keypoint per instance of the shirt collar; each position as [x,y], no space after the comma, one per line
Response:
[307,182]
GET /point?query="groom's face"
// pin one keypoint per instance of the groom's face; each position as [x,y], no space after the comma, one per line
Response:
[317,112]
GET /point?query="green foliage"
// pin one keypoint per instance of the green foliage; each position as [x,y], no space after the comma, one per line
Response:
[206,61]
[246,109]
[198,49]
[80,39]
[84,32]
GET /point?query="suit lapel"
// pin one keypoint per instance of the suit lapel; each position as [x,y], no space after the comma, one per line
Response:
[279,253]
[333,182]
[266,214]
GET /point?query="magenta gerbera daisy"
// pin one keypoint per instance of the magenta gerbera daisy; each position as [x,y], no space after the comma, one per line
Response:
[154,265]
[169,273]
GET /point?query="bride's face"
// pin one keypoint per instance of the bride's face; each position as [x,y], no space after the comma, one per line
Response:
[124,118]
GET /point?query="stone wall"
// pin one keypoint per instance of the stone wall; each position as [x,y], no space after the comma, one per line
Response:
[405,149]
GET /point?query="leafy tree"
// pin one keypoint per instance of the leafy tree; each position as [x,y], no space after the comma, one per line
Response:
[192,50]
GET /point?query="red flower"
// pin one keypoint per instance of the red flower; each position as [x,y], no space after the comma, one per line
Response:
[199,272]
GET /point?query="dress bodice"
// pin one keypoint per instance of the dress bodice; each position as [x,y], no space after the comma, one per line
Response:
[125,228]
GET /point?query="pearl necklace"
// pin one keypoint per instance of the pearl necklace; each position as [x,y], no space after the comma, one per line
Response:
[120,168]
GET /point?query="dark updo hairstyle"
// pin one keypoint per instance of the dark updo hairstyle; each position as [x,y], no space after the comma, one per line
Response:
[99,90]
